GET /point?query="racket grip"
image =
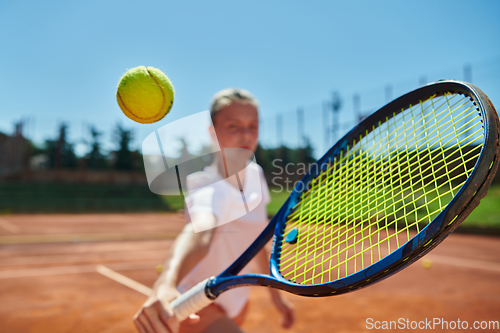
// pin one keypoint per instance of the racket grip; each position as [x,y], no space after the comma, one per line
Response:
[191,301]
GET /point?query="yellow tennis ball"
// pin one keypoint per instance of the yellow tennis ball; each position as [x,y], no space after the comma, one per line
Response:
[145,94]
[159,268]
[426,263]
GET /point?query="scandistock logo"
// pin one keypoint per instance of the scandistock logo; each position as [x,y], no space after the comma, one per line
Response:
[183,158]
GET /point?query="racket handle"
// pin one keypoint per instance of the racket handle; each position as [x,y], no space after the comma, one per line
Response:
[191,301]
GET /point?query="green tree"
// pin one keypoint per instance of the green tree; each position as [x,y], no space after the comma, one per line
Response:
[95,159]
[123,156]
[60,152]
[305,154]
[273,160]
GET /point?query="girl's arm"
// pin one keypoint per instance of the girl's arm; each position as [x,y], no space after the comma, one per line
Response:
[155,316]
[282,304]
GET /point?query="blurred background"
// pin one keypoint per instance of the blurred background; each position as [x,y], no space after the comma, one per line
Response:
[317,69]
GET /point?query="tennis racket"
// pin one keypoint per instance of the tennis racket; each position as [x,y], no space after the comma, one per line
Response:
[382,197]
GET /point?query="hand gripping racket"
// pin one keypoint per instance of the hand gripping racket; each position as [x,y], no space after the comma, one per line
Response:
[382,197]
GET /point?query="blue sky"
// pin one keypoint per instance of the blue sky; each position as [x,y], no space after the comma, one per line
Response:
[61,60]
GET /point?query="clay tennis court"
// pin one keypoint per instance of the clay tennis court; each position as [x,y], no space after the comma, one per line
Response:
[49,280]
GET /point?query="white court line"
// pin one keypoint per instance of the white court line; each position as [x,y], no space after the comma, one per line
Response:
[469,263]
[61,270]
[9,226]
[128,282]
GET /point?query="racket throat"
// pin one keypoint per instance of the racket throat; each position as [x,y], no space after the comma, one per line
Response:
[208,290]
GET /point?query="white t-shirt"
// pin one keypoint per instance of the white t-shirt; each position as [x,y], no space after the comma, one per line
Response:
[208,191]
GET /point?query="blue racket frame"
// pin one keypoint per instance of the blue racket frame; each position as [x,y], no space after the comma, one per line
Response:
[473,190]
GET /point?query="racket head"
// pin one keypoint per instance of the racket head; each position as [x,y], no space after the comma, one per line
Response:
[456,120]
[297,266]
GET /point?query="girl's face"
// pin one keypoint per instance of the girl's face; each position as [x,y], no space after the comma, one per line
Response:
[237,126]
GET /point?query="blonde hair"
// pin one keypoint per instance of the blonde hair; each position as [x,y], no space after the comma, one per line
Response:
[230,95]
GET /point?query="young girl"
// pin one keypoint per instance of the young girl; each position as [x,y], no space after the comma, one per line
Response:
[196,256]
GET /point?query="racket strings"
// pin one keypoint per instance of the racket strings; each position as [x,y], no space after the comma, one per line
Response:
[383,189]
[363,244]
[355,235]
[393,143]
